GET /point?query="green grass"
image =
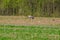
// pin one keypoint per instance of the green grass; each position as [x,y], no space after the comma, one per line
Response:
[11,32]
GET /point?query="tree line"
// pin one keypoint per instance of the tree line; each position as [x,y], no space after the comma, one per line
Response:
[43,8]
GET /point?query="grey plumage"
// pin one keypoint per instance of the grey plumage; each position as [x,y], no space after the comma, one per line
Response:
[32,17]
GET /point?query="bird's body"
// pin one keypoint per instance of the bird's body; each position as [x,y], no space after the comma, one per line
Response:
[31,17]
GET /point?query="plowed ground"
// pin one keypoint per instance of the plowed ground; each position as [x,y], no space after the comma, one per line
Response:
[22,20]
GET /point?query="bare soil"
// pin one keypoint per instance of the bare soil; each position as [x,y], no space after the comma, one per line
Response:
[22,20]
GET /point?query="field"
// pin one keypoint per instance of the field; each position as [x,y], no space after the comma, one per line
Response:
[24,28]
[42,32]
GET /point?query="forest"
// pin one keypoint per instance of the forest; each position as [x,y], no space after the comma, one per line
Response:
[38,8]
